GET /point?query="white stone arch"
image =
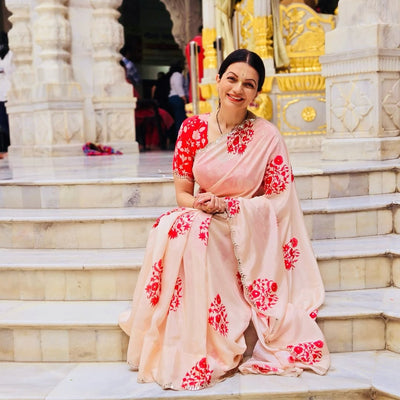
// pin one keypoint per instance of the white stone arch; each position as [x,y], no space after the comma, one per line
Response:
[186,19]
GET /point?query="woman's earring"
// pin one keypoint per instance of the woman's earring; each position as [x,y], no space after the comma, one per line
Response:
[219,102]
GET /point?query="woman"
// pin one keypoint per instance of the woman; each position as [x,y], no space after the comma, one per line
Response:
[235,252]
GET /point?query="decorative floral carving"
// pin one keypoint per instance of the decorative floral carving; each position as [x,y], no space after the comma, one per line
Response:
[391,104]
[351,106]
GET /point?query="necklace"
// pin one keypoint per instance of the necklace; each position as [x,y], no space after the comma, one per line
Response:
[219,127]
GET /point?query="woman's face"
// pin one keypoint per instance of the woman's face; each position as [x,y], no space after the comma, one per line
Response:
[237,87]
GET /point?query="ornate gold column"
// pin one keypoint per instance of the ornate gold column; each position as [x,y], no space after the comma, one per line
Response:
[113,99]
[263,31]
[209,35]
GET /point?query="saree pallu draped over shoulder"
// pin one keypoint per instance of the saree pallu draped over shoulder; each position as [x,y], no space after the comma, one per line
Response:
[206,277]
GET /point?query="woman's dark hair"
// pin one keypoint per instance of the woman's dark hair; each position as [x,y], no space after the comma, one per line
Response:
[176,67]
[3,44]
[249,57]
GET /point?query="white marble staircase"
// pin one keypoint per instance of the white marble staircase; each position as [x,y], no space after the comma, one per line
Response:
[72,237]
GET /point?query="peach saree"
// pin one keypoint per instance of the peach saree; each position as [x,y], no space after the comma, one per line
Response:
[206,277]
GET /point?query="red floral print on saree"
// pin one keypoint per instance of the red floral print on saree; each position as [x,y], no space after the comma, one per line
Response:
[232,206]
[264,368]
[239,138]
[176,296]
[153,288]
[198,377]
[181,225]
[277,176]
[203,235]
[165,214]
[291,253]
[217,316]
[262,294]
[307,352]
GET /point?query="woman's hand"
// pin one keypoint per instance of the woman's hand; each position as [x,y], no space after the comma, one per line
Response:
[209,203]
[206,201]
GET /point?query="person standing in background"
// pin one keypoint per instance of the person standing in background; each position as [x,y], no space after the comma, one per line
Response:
[6,69]
[176,99]
[131,72]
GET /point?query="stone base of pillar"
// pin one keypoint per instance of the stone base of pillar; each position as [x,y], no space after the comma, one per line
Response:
[370,149]
[115,123]
[304,143]
[65,150]
[60,150]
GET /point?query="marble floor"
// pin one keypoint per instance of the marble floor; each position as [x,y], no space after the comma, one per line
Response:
[362,375]
[148,165]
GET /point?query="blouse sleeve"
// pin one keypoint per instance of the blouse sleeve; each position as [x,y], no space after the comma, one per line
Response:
[191,137]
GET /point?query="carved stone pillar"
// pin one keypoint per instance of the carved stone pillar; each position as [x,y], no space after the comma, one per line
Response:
[56,97]
[19,104]
[361,67]
[113,99]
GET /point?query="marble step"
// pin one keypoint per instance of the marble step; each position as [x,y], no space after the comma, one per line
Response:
[352,376]
[77,331]
[139,192]
[129,227]
[91,228]
[111,274]
[352,216]
[111,183]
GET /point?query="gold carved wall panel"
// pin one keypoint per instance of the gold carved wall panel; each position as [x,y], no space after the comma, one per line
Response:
[301,113]
[303,32]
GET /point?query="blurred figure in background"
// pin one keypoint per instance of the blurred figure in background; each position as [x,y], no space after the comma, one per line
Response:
[176,99]
[6,68]
[131,72]
[160,90]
